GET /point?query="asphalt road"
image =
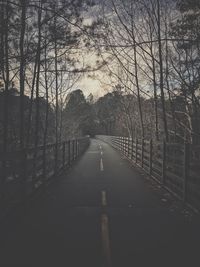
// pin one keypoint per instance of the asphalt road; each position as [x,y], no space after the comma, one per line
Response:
[102,213]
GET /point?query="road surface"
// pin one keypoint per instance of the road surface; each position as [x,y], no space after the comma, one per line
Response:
[102,213]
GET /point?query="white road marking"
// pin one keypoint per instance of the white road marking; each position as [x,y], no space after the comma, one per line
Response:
[105,240]
[101,165]
[101,153]
[105,233]
[103,198]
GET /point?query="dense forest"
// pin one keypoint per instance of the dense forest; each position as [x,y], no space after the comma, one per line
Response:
[150,50]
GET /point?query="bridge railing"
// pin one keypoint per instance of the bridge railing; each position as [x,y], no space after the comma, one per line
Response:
[175,166]
[24,172]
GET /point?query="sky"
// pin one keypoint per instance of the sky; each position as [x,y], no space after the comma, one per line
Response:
[91,86]
[96,83]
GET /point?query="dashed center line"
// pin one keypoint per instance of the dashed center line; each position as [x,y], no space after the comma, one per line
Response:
[101,165]
[105,233]
[103,198]
[105,224]
[105,241]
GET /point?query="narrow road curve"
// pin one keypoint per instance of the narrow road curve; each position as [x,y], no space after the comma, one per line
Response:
[102,213]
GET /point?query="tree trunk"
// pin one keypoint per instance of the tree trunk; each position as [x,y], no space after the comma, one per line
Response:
[138,90]
[22,72]
[6,78]
[47,112]
[161,72]
[36,141]
[56,88]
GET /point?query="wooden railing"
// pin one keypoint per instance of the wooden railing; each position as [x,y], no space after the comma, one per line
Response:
[175,166]
[24,172]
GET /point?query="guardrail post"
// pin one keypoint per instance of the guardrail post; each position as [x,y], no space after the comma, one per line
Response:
[125,145]
[131,147]
[163,162]
[63,154]
[69,153]
[185,170]
[150,156]
[73,150]
[23,173]
[56,158]
[136,149]
[128,143]
[44,167]
[142,155]
[115,141]
[4,176]
[77,148]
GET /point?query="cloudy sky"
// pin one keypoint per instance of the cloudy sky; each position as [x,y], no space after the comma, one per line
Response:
[97,82]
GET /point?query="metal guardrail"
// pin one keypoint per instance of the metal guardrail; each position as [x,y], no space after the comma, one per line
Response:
[175,166]
[22,173]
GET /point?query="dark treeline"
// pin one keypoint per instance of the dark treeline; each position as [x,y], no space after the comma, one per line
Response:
[117,113]
[13,135]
